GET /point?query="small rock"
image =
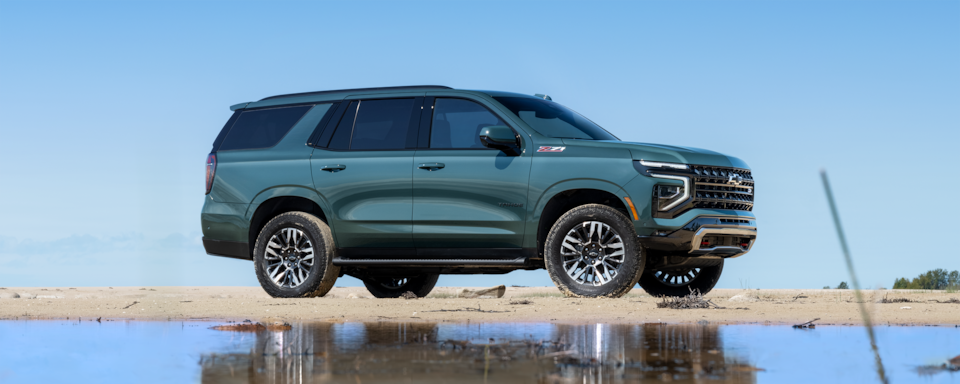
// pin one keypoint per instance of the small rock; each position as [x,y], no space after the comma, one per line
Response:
[9,295]
[24,295]
[905,308]
[743,298]
[353,296]
[409,295]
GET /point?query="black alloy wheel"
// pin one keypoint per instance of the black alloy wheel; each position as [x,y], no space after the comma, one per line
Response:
[393,287]
[680,282]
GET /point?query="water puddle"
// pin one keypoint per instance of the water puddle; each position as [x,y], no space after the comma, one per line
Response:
[140,351]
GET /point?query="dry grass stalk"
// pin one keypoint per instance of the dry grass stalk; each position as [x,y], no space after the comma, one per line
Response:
[692,301]
[885,300]
[881,372]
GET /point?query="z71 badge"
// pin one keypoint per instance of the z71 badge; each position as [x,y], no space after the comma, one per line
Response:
[551,149]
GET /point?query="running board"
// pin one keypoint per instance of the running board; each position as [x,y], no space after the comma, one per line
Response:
[457,262]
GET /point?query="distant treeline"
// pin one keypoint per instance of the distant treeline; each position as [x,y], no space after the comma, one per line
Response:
[935,279]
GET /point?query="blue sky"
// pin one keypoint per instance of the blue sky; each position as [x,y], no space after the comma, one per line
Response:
[109,108]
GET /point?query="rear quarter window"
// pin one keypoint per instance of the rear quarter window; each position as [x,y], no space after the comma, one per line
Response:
[262,128]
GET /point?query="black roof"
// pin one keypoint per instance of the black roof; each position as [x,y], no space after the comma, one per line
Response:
[402,88]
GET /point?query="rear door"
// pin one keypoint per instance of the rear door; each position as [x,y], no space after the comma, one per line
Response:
[468,200]
[363,168]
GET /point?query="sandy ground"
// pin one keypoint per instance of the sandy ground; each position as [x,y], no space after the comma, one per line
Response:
[782,306]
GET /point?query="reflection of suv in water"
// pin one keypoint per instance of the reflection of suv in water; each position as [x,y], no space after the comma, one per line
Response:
[396,186]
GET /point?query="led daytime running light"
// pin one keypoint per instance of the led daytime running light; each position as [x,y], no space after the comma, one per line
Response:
[657,164]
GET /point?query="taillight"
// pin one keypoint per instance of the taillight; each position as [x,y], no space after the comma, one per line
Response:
[211,170]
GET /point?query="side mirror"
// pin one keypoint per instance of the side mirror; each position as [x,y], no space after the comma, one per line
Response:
[500,137]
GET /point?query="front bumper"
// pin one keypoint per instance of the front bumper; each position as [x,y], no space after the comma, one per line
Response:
[723,236]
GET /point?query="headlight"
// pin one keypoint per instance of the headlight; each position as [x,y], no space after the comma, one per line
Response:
[665,196]
[669,196]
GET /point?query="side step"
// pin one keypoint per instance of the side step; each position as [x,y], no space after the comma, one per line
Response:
[457,257]
[457,262]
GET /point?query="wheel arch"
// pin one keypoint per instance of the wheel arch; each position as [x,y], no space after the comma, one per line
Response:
[563,197]
[272,202]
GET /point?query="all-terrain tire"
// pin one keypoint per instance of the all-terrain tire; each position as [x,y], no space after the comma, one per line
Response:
[703,282]
[579,219]
[393,287]
[315,234]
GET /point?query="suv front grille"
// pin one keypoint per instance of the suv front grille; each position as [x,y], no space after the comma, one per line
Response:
[722,188]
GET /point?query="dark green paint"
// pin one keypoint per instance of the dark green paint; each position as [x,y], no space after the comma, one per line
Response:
[459,206]
[477,198]
[370,201]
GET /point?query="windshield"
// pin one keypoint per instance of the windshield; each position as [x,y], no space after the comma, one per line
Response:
[554,120]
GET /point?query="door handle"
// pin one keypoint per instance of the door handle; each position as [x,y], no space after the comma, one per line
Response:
[333,168]
[431,166]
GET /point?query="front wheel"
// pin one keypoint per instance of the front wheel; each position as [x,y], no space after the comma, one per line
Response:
[393,287]
[680,282]
[592,251]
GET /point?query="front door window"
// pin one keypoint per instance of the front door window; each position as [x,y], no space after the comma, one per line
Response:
[457,124]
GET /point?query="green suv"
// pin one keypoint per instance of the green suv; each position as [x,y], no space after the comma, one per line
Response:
[398,185]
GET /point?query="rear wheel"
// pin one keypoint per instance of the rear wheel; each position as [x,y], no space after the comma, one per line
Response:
[592,251]
[393,287]
[293,256]
[680,282]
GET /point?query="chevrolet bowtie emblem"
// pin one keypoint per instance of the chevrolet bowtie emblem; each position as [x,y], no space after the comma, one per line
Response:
[735,180]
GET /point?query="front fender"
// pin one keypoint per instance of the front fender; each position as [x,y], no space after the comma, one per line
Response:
[539,202]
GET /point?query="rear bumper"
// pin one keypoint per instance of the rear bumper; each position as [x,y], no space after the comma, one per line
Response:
[723,236]
[232,249]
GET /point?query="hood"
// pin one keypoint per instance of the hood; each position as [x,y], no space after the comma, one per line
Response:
[665,153]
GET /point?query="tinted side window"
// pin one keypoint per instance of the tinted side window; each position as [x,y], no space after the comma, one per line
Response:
[226,128]
[457,123]
[262,128]
[341,136]
[381,124]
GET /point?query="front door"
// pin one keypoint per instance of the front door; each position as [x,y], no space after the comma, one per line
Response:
[464,194]
[364,172]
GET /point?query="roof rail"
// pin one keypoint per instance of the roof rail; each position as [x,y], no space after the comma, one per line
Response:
[401,88]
